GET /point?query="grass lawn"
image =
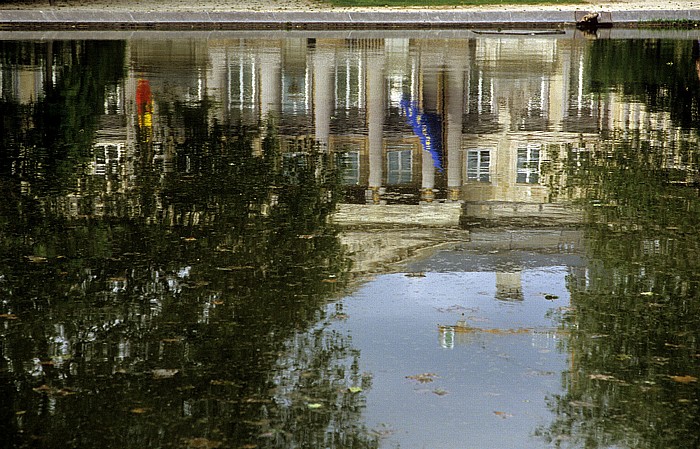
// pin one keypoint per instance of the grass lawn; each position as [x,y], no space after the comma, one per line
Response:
[429,3]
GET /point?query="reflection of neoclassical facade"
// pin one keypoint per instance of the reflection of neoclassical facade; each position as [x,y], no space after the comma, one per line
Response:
[505,113]
[487,121]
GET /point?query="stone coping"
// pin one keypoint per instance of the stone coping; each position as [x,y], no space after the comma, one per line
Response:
[315,20]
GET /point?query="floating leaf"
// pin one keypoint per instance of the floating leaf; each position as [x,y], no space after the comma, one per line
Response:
[647,293]
[602,377]
[139,410]
[314,405]
[222,382]
[202,443]
[8,316]
[684,379]
[550,297]
[45,389]
[423,378]
[42,389]
[581,404]
[503,415]
[440,392]
[354,389]
[164,373]
[36,259]
[235,268]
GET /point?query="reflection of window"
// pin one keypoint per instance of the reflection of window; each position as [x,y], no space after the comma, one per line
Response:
[294,92]
[400,166]
[350,163]
[529,164]
[242,92]
[479,165]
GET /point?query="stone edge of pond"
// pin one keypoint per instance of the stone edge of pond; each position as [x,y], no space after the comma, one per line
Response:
[53,19]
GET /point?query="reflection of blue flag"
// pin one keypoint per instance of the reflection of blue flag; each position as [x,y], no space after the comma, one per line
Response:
[428,127]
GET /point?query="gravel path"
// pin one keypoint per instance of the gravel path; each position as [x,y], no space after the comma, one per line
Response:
[318,5]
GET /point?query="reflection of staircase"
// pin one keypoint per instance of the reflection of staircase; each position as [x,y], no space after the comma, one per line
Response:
[376,236]
[377,249]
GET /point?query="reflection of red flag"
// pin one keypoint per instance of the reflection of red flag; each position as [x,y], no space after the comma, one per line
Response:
[144,107]
[143,97]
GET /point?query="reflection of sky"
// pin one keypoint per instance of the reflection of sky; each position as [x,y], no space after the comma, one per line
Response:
[496,384]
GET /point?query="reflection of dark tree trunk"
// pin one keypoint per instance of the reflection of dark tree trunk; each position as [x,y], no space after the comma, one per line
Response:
[7,416]
[48,63]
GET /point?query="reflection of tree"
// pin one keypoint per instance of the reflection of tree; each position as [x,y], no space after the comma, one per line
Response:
[660,73]
[636,319]
[45,142]
[186,324]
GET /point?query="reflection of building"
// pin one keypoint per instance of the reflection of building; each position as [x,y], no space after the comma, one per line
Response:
[506,111]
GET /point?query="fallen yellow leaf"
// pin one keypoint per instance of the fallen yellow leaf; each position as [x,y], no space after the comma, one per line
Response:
[684,379]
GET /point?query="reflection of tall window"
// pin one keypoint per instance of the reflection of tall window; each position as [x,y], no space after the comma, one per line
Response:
[400,166]
[295,91]
[480,109]
[479,165]
[349,83]
[350,164]
[242,83]
[529,164]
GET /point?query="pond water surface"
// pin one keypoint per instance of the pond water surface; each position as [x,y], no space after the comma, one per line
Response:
[349,240]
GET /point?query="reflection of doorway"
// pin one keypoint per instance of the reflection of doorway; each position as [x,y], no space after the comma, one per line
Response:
[399,166]
[350,167]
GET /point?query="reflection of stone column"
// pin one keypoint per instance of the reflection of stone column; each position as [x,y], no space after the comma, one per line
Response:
[509,286]
[453,124]
[428,177]
[375,118]
[270,83]
[323,95]
[430,88]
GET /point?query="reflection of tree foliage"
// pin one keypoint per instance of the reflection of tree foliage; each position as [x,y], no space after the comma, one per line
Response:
[185,324]
[45,142]
[635,326]
[661,73]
